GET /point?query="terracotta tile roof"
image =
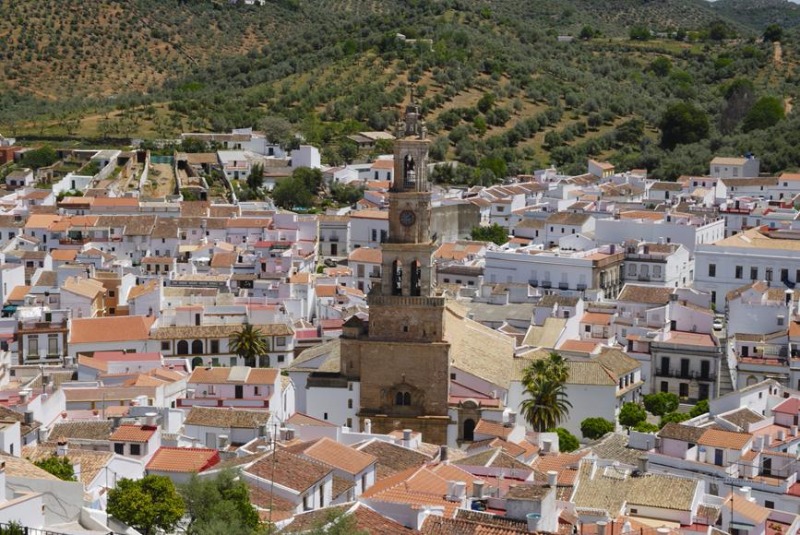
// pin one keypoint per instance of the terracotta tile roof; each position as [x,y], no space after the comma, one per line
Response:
[651,295]
[789,406]
[339,456]
[185,460]
[367,255]
[299,418]
[437,525]
[143,289]
[282,509]
[568,218]
[494,458]
[751,510]
[9,416]
[21,467]
[589,372]
[18,293]
[234,375]
[217,331]
[596,318]
[743,417]
[393,458]
[290,470]
[341,485]
[370,214]
[110,329]
[92,462]
[86,430]
[717,438]
[316,519]
[226,417]
[685,433]
[64,255]
[88,288]
[496,429]
[133,433]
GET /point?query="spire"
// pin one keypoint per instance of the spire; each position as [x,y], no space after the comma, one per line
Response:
[412,125]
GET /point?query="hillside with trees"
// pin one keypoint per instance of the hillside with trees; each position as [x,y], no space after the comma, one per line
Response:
[501,93]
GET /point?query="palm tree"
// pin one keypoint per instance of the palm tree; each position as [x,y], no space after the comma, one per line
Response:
[546,404]
[249,344]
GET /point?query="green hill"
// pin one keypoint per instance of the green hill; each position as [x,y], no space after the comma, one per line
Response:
[500,93]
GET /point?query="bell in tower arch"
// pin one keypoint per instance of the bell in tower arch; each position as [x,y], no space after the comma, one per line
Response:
[409,171]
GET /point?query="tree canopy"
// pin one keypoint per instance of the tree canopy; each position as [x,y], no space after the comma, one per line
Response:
[683,123]
[61,467]
[493,233]
[219,505]
[661,403]
[632,414]
[41,157]
[567,442]
[249,343]
[594,428]
[545,405]
[766,112]
[148,504]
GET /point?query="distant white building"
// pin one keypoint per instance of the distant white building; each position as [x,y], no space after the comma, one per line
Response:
[722,167]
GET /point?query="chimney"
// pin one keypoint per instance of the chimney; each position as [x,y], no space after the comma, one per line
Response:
[24,396]
[222,441]
[601,527]
[28,417]
[62,448]
[794,430]
[477,489]
[289,435]
[262,430]
[767,440]
[76,469]
[547,446]
[782,435]
[788,296]
[443,454]
[533,522]
[451,491]
[151,419]
[552,478]
[407,438]
[116,421]
[368,426]
[644,462]
[459,490]
[512,418]
[744,493]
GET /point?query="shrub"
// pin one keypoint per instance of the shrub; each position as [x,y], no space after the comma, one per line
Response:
[567,442]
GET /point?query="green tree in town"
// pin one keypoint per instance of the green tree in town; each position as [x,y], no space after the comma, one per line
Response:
[632,414]
[219,505]
[661,403]
[61,467]
[256,177]
[545,405]
[700,408]
[646,427]
[249,343]
[567,442]
[493,233]
[150,504]
[683,123]
[41,157]
[291,193]
[674,417]
[594,428]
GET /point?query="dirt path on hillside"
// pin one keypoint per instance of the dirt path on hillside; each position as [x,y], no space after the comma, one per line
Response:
[777,53]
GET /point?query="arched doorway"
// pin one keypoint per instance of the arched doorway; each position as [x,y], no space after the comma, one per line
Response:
[197,361]
[183,347]
[469,430]
[197,347]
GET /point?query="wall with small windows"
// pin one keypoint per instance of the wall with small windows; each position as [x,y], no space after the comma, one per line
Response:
[335,404]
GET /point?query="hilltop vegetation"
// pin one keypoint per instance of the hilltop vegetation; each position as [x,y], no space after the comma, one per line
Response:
[500,94]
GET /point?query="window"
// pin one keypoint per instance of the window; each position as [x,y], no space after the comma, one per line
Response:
[52,344]
[664,386]
[374,235]
[501,208]
[683,390]
[753,273]
[215,346]
[112,293]
[324,415]
[256,390]
[769,504]
[780,321]
[768,274]
[119,448]
[280,341]
[712,270]
[402,399]
[785,275]
[165,345]
[136,449]
[349,403]
[321,496]
[631,269]
[281,358]
[587,328]
[739,272]
[452,377]
[33,346]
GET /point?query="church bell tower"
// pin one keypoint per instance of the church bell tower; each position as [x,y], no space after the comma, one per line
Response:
[402,359]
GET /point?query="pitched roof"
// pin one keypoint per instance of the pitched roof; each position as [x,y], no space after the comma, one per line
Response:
[110,329]
[226,417]
[438,525]
[340,456]
[717,438]
[393,458]
[685,433]
[290,470]
[184,460]
[133,433]
[84,287]
[589,372]
[86,430]
[234,375]
[367,255]
[496,429]
[651,295]
[91,461]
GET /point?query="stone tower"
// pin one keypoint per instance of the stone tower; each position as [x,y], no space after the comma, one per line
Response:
[402,359]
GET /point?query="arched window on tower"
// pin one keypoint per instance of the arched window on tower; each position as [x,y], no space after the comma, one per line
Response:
[416,276]
[402,399]
[407,399]
[409,172]
[397,278]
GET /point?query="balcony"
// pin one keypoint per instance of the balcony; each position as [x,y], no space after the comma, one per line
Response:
[685,374]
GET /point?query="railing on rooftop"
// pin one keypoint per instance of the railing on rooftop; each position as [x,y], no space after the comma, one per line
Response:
[16,529]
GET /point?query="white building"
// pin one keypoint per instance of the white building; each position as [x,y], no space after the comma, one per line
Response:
[687,229]
[722,167]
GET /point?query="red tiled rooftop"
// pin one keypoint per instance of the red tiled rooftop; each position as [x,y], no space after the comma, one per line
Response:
[133,433]
[186,460]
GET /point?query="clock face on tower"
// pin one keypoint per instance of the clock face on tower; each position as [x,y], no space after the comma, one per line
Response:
[407,218]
